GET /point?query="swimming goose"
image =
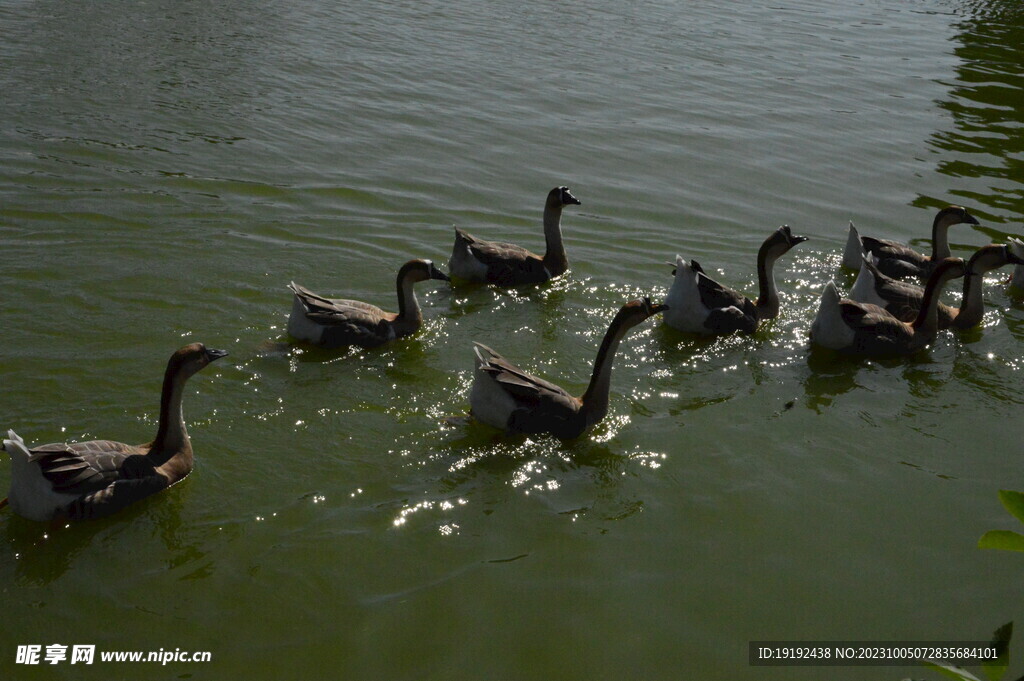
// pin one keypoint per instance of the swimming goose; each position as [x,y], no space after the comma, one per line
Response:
[865,329]
[506,397]
[699,304]
[896,259]
[96,478]
[903,299]
[510,265]
[334,323]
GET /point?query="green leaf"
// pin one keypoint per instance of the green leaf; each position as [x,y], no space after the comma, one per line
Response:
[1002,539]
[958,673]
[995,669]
[1014,503]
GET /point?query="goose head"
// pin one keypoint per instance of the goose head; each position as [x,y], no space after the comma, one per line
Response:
[780,241]
[636,311]
[421,270]
[948,268]
[995,256]
[192,359]
[561,196]
[954,215]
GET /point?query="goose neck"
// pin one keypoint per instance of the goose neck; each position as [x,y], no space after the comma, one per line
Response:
[940,238]
[408,305]
[555,260]
[768,296]
[595,399]
[926,324]
[972,307]
[172,436]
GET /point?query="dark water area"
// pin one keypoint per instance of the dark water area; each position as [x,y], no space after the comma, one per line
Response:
[983,147]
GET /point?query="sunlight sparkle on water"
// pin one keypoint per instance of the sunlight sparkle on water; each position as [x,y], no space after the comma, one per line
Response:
[651,460]
[610,427]
[525,473]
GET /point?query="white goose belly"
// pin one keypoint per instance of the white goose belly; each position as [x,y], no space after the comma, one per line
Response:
[462,264]
[489,403]
[299,326]
[829,330]
[31,495]
[863,289]
[686,311]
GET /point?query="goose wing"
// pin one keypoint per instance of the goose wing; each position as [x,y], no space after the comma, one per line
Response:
[730,310]
[877,323]
[357,321]
[105,475]
[316,304]
[517,382]
[115,496]
[876,246]
[82,467]
[507,264]
[541,406]
[903,299]
[895,259]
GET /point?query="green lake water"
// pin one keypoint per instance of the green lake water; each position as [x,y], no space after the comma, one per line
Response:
[166,168]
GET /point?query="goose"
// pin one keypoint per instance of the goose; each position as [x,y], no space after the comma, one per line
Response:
[504,264]
[96,478]
[335,323]
[865,329]
[900,261]
[506,397]
[699,304]
[903,299]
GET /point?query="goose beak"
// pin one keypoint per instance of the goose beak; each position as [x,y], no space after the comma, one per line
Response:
[1012,257]
[438,274]
[213,354]
[652,308]
[970,219]
[568,199]
[791,239]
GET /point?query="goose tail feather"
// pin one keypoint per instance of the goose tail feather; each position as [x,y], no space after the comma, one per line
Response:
[853,250]
[15,447]
[483,354]
[830,295]
[863,288]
